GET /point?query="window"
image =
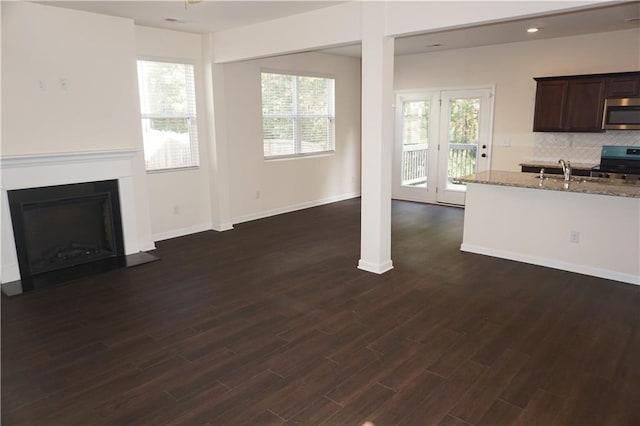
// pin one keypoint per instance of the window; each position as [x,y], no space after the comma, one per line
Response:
[298,115]
[168,104]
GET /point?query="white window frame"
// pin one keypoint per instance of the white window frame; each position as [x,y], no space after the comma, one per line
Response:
[192,118]
[294,116]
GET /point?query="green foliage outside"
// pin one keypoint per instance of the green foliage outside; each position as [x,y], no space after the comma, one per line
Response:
[463,130]
[416,122]
[167,98]
[463,138]
[166,94]
[463,123]
[297,113]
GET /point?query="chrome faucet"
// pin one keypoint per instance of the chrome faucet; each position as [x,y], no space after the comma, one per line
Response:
[566,169]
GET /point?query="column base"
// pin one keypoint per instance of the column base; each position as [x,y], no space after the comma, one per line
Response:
[376,268]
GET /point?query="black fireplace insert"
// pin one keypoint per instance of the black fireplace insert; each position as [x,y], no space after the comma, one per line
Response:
[63,230]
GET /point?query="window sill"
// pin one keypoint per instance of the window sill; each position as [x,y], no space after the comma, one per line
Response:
[173,169]
[300,156]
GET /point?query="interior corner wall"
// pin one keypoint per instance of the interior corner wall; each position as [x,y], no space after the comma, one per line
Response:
[262,187]
[512,67]
[179,199]
[69,85]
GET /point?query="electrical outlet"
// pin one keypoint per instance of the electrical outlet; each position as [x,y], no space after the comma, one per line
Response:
[176,209]
[257,195]
[64,84]
[574,236]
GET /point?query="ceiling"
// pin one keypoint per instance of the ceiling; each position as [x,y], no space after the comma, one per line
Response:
[197,17]
[602,19]
[216,15]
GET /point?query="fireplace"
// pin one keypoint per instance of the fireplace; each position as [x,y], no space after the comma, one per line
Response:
[79,181]
[66,230]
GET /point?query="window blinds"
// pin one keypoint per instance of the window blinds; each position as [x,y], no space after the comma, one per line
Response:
[298,114]
[168,112]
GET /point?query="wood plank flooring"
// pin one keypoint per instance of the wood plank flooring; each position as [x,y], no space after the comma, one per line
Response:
[272,324]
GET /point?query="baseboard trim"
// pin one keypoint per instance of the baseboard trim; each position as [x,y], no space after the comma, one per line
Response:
[419,200]
[181,232]
[549,263]
[376,268]
[226,226]
[295,207]
[146,246]
[221,227]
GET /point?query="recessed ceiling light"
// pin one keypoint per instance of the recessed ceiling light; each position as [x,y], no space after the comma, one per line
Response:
[175,20]
[532,30]
[433,45]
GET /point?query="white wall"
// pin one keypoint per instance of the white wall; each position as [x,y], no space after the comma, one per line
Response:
[285,185]
[43,44]
[512,67]
[179,199]
[97,111]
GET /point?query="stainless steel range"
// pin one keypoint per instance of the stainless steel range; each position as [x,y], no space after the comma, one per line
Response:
[618,162]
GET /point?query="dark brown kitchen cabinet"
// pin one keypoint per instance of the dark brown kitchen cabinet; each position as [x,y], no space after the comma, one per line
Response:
[551,100]
[623,87]
[575,171]
[569,105]
[575,103]
[585,105]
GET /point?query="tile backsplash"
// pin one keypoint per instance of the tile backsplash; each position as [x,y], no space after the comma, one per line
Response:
[579,147]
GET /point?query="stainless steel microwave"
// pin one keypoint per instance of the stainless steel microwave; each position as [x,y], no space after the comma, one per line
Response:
[621,114]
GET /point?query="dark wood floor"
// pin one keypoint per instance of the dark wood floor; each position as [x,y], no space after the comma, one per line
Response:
[272,323]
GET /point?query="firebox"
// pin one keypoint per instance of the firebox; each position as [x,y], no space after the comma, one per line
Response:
[63,230]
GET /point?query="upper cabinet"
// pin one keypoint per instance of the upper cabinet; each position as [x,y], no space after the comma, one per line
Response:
[585,105]
[622,87]
[551,101]
[576,103]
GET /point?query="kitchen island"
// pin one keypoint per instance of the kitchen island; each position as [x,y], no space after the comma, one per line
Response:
[588,225]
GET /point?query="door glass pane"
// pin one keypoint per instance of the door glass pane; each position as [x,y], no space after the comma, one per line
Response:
[463,137]
[415,141]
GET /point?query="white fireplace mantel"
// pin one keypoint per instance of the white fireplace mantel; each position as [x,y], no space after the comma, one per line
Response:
[37,170]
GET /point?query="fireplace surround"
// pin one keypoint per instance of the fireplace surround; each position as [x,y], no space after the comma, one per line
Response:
[30,171]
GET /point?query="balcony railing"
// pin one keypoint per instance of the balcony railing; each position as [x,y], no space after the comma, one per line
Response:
[462,162]
[414,165]
[462,159]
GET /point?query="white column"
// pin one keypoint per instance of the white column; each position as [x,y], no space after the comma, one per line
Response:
[377,140]
[217,137]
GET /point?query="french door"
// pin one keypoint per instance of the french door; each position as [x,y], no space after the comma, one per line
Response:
[417,146]
[440,135]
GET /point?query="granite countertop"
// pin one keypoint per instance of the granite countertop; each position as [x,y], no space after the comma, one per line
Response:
[555,164]
[586,185]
